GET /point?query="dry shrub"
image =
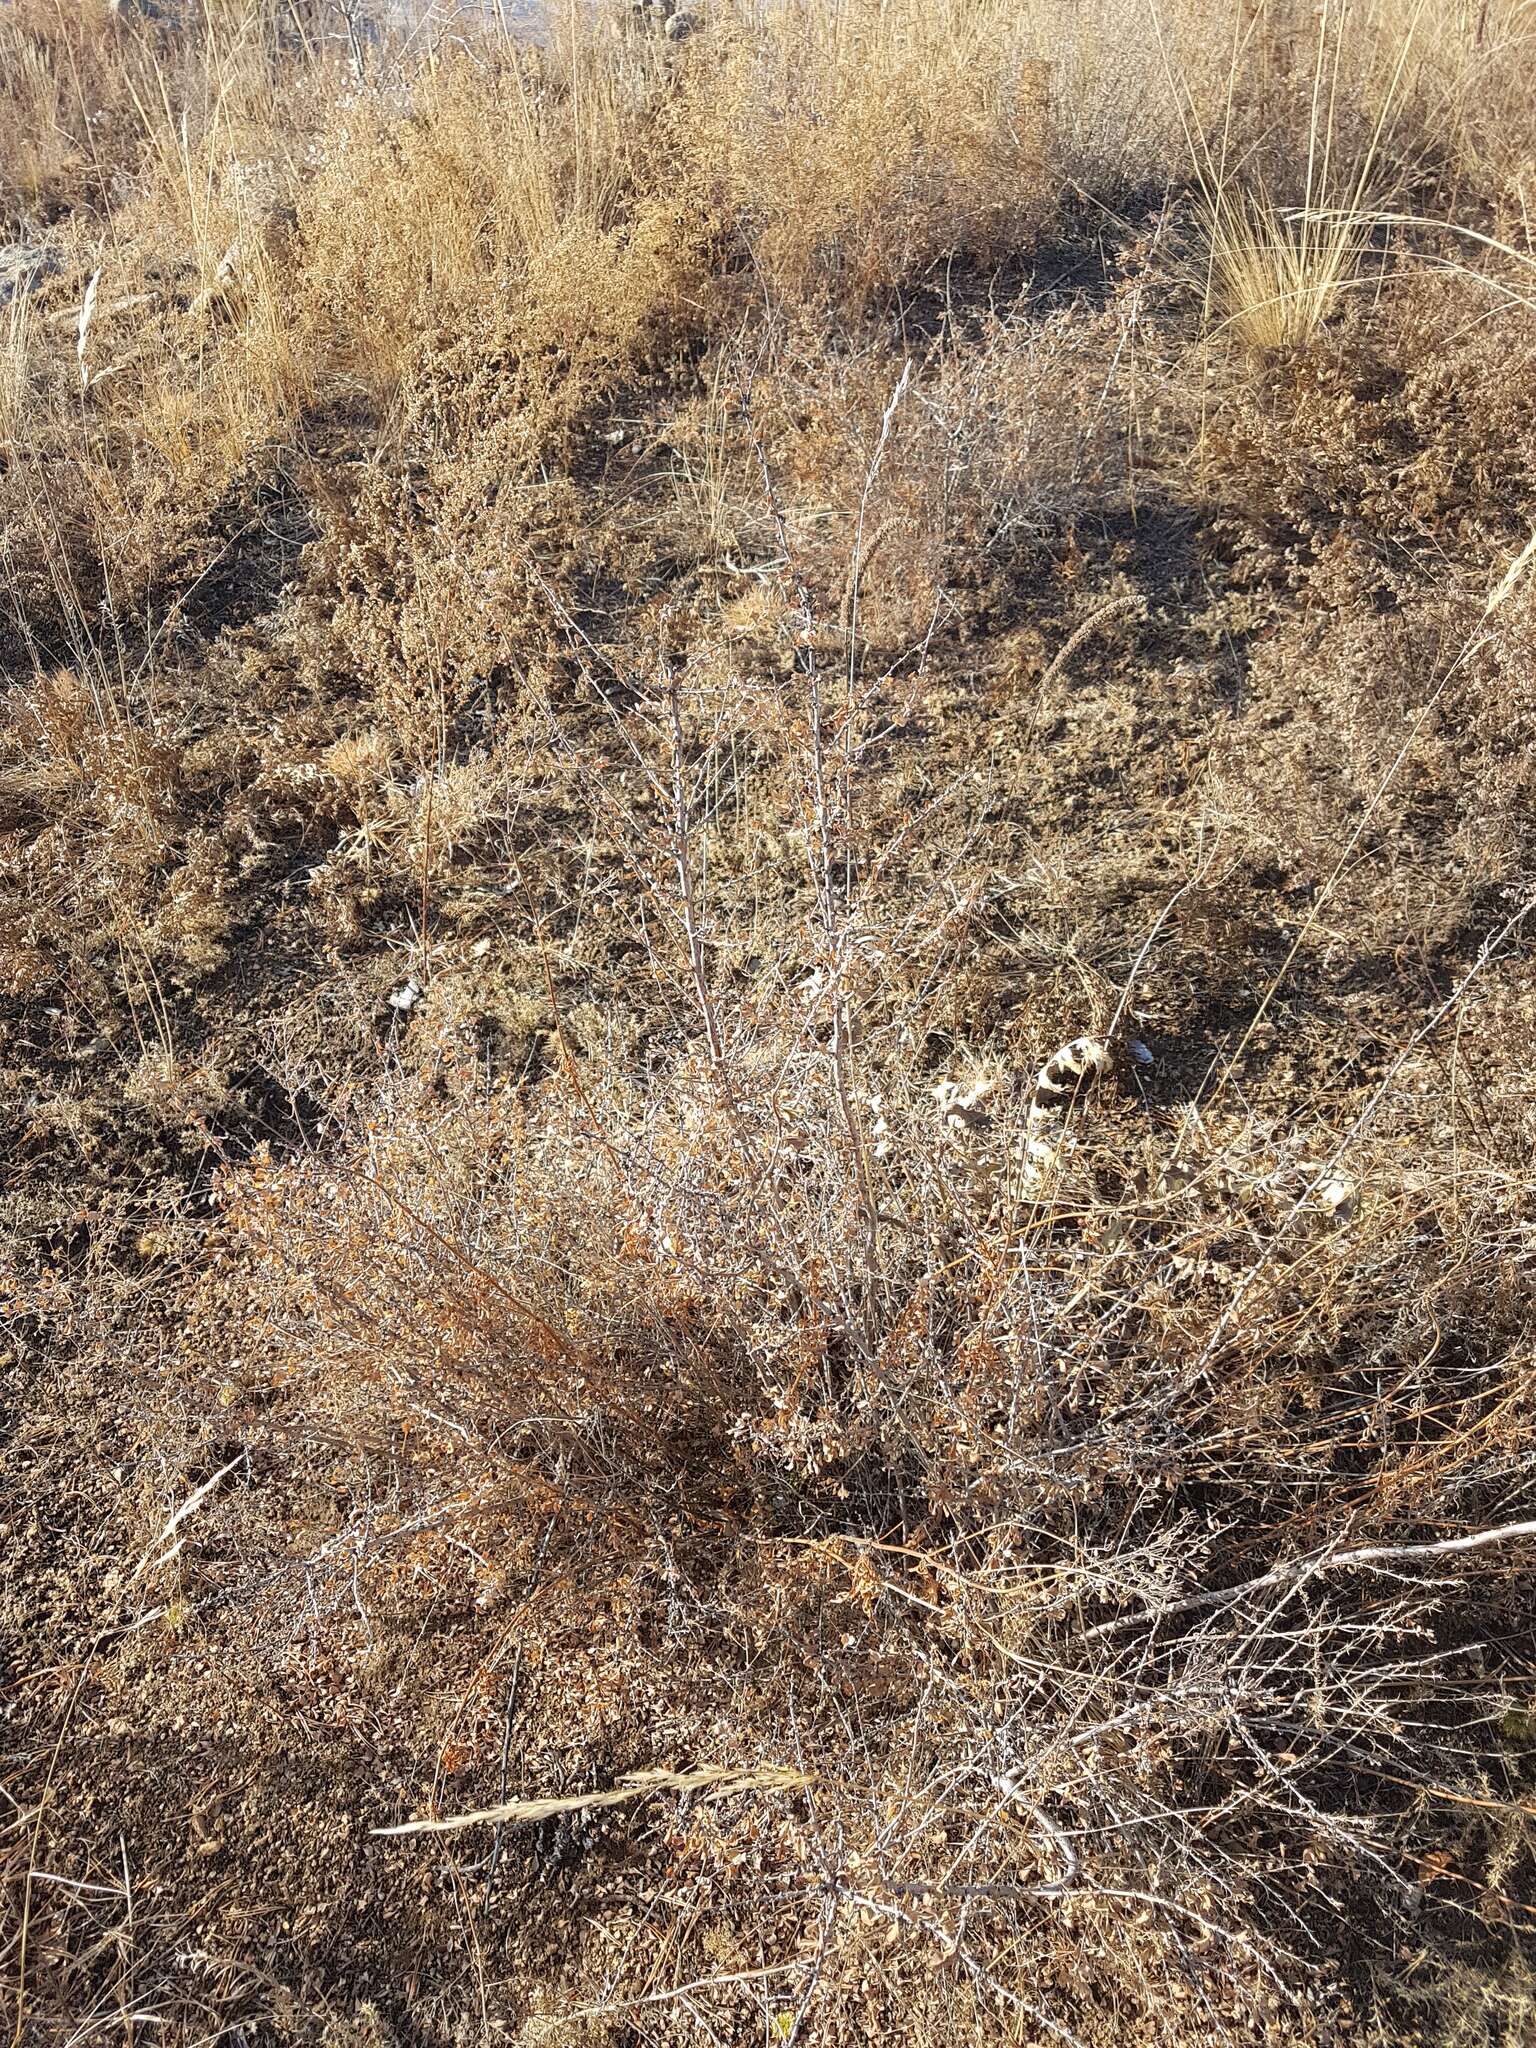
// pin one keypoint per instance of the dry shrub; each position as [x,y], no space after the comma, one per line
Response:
[1038,1508]
[1388,465]
[499,770]
[859,145]
[1300,97]
[1408,433]
[506,227]
[67,81]
[1114,123]
[130,426]
[1462,103]
[17,346]
[1324,122]
[117,885]
[96,96]
[1389,718]
[671,1293]
[394,249]
[1140,95]
[910,485]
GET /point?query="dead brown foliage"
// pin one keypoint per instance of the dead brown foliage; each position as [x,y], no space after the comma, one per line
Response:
[585,619]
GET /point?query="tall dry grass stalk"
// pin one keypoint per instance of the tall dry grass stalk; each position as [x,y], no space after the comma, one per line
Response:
[1272,275]
[1274,271]
[16,347]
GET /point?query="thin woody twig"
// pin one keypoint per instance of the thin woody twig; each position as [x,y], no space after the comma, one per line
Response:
[501,1788]
[1297,1569]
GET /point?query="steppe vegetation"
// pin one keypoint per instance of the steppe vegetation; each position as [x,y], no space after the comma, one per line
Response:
[586,619]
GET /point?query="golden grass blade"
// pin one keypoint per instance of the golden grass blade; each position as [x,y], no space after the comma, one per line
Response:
[83,327]
[188,1507]
[721,1781]
[1510,578]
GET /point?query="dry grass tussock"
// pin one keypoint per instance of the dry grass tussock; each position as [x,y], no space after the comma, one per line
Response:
[609,637]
